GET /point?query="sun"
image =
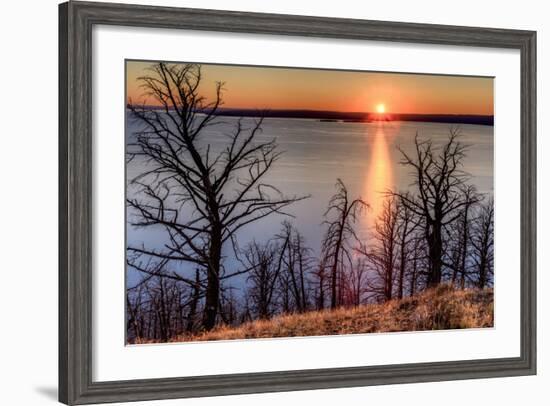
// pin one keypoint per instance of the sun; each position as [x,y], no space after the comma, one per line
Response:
[380,108]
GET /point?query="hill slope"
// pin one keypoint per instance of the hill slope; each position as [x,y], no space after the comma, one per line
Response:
[435,309]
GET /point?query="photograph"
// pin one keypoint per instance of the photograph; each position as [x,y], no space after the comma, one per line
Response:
[269,202]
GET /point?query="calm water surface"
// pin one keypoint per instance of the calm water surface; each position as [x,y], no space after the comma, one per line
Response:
[364,155]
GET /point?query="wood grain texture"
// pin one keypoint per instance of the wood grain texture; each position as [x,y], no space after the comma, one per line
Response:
[75,201]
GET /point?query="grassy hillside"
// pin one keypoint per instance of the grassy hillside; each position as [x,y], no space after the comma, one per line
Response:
[435,309]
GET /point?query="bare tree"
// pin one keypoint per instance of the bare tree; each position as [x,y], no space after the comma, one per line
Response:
[229,307]
[320,284]
[340,231]
[297,264]
[156,309]
[459,236]
[193,304]
[303,263]
[417,261]
[383,252]
[266,263]
[407,224]
[198,196]
[355,281]
[438,193]
[134,313]
[482,240]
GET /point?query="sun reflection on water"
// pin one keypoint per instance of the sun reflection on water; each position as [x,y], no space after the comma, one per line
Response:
[380,176]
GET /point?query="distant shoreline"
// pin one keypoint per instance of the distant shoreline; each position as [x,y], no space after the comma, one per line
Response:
[361,117]
[357,117]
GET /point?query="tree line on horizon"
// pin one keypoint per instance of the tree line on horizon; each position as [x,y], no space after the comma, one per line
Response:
[439,231]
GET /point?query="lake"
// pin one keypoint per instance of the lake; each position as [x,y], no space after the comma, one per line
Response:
[364,156]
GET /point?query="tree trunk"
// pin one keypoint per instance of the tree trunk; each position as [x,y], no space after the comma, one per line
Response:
[435,249]
[302,281]
[403,258]
[465,236]
[482,274]
[401,275]
[212,296]
[295,288]
[388,286]
[334,273]
[483,263]
[163,322]
[412,287]
[321,300]
[194,303]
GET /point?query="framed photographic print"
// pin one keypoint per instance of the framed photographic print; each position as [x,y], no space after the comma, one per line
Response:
[260,202]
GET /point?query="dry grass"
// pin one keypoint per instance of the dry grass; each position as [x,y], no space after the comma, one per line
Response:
[436,309]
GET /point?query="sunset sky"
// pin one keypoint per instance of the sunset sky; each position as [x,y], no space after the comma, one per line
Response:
[334,90]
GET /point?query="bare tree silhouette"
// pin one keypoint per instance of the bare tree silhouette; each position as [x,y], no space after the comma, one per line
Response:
[297,264]
[155,309]
[356,279]
[406,226]
[459,236]
[340,231]
[416,262]
[439,183]
[383,254]
[482,240]
[198,196]
[320,284]
[266,262]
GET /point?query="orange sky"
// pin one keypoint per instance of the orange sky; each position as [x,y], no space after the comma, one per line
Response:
[314,89]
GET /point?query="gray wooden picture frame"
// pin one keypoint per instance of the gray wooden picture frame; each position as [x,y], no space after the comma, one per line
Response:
[76,20]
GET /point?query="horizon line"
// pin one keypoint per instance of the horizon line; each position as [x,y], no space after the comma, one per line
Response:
[347,116]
